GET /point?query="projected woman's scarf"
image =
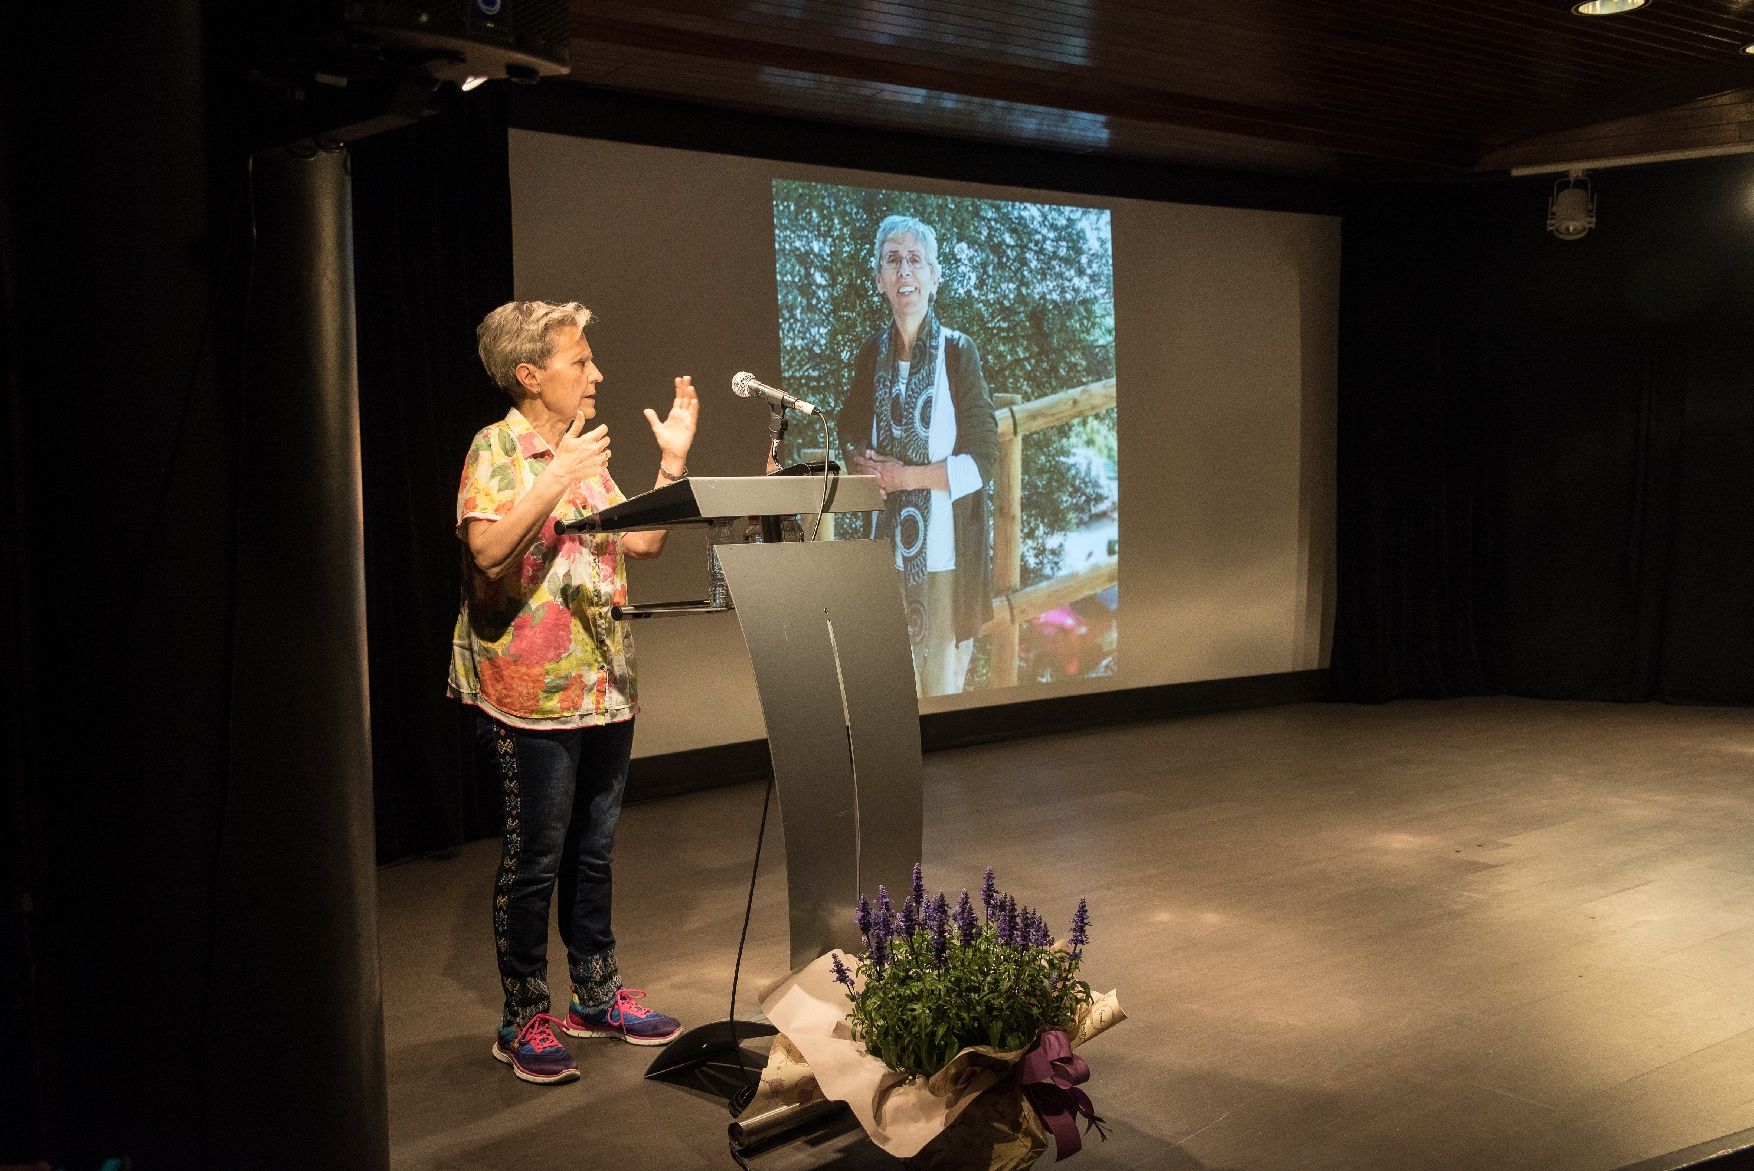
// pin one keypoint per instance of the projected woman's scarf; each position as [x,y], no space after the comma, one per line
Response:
[903,422]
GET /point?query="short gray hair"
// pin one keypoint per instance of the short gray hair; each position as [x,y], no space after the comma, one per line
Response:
[895,225]
[523,331]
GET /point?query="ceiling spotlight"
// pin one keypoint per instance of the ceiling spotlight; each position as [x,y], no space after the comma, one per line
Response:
[1607,7]
[1749,48]
[1571,212]
[470,83]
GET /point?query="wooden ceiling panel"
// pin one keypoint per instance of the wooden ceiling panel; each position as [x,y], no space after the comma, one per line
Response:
[1318,87]
[794,93]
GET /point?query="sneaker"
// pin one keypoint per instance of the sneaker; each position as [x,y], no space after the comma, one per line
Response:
[535,1053]
[625,1018]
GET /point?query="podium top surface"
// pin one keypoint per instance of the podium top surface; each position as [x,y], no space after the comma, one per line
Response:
[703,499]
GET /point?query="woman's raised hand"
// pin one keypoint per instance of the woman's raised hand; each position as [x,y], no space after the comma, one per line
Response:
[675,431]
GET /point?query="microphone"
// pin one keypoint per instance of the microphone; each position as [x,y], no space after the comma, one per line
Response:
[745,385]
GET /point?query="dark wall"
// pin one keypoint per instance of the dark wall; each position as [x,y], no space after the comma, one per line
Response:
[113,236]
[1546,481]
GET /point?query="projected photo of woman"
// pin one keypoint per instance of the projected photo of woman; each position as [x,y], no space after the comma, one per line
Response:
[918,417]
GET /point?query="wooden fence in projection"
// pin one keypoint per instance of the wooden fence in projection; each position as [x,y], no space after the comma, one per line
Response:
[1013,604]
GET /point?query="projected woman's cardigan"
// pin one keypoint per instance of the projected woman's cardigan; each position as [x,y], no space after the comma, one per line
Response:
[977,435]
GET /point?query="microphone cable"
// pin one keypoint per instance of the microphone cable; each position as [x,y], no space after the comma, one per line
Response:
[827,480]
[743,1096]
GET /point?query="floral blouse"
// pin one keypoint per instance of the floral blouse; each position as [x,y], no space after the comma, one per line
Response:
[538,648]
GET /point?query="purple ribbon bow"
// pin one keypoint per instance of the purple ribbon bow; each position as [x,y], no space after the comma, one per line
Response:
[1050,1074]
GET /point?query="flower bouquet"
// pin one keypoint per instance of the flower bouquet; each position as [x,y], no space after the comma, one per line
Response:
[951,1037]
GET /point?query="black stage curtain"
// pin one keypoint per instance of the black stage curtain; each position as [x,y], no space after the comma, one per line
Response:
[432,254]
[1546,448]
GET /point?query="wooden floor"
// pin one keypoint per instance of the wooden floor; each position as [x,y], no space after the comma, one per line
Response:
[1467,934]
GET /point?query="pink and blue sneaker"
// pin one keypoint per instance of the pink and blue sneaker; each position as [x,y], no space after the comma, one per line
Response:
[535,1053]
[624,1017]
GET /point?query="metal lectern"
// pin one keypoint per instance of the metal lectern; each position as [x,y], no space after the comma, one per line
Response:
[823,621]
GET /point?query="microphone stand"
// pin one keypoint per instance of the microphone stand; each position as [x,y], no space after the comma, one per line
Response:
[776,432]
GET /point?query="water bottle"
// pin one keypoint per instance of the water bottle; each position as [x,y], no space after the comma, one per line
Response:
[718,594]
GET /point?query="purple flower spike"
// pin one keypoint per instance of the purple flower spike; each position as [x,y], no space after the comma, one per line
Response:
[910,919]
[938,912]
[879,953]
[877,944]
[1044,935]
[940,937]
[989,894]
[841,975]
[863,918]
[1005,916]
[1080,928]
[885,906]
[917,890]
[965,921]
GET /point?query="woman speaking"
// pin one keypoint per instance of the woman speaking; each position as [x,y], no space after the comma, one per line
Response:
[919,418]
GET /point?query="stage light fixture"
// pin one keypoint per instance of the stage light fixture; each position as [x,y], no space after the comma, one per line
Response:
[1607,7]
[1571,210]
[475,82]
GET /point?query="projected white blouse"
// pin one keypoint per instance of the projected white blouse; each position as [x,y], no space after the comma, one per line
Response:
[965,475]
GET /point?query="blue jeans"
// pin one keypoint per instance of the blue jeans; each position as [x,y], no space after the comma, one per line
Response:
[562,792]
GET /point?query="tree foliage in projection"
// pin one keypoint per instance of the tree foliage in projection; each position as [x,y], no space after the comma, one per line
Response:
[1031,284]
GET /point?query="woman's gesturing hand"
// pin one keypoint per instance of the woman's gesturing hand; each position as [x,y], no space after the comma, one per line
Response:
[582,454]
[675,432]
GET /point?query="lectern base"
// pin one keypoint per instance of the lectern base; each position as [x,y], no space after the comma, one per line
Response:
[707,1057]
